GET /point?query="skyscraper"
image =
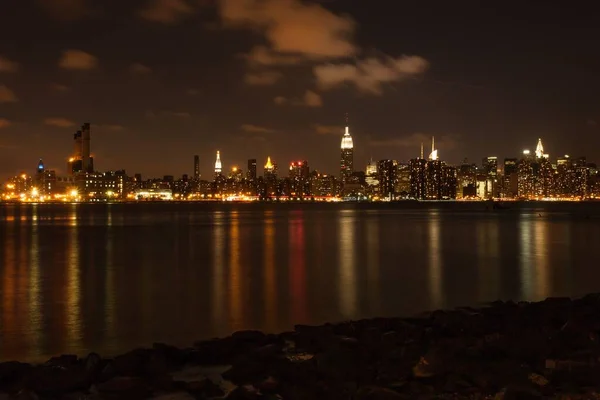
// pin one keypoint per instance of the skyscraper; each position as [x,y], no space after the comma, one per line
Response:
[539,150]
[252,169]
[87,162]
[347,157]
[81,160]
[434,153]
[218,166]
[196,167]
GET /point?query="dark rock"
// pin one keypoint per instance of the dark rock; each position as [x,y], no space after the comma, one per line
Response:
[52,381]
[92,363]
[63,361]
[131,363]
[204,389]
[124,388]
[269,385]
[249,336]
[244,393]
[377,393]
[12,374]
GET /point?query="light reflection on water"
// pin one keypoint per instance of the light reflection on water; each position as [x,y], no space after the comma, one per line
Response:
[77,278]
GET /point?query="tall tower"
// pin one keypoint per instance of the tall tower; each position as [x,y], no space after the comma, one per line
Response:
[539,150]
[434,153]
[218,167]
[347,156]
[40,167]
[252,169]
[196,167]
[86,162]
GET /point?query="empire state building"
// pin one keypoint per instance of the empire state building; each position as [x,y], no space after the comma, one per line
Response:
[347,157]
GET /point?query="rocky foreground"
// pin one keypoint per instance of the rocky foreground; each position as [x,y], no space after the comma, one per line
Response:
[549,349]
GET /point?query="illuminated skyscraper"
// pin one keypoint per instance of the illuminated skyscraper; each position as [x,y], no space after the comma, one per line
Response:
[251,170]
[218,166]
[434,153]
[196,167]
[347,156]
[86,160]
[539,150]
[270,177]
[40,167]
[81,160]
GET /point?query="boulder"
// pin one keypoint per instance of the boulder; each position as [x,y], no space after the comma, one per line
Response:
[124,388]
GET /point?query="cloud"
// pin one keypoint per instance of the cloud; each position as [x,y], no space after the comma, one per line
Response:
[370,74]
[140,69]
[262,78]
[293,26]
[329,129]
[4,123]
[77,60]
[442,142]
[7,95]
[261,55]
[64,10]
[7,65]
[59,87]
[176,114]
[312,99]
[59,122]
[166,11]
[256,129]
[112,128]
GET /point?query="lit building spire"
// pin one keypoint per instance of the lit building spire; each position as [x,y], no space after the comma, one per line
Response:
[218,166]
[269,164]
[434,153]
[421,150]
[539,150]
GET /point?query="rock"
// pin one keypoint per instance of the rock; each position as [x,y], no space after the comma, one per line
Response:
[377,393]
[246,371]
[92,363]
[63,361]
[249,336]
[12,374]
[131,363]
[124,388]
[174,396]
[244,393]
[269,385]
[53,381]
[205,388]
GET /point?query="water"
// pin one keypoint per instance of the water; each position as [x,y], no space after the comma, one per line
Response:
[108,278]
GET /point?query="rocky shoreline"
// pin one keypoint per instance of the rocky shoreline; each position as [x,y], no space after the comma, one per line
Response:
[544,350]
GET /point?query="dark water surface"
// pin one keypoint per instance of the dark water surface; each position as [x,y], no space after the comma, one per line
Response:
[107,278]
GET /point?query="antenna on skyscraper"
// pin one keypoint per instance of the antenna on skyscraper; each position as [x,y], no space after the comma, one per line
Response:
[421,150]
[346,119]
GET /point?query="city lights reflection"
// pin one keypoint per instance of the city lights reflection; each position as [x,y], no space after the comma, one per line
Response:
[297,265]
[488,262]
[235,275]
[218,264]
[270,288]
[73,281]
[434,252]
[347,254]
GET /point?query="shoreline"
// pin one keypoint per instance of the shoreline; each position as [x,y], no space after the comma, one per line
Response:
[506,350]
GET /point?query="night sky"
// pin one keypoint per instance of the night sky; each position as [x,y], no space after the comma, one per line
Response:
[162,80]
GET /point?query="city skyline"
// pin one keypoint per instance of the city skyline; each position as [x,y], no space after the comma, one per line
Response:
[162,84]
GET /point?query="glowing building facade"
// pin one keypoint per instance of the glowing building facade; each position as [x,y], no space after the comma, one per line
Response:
[347,157]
